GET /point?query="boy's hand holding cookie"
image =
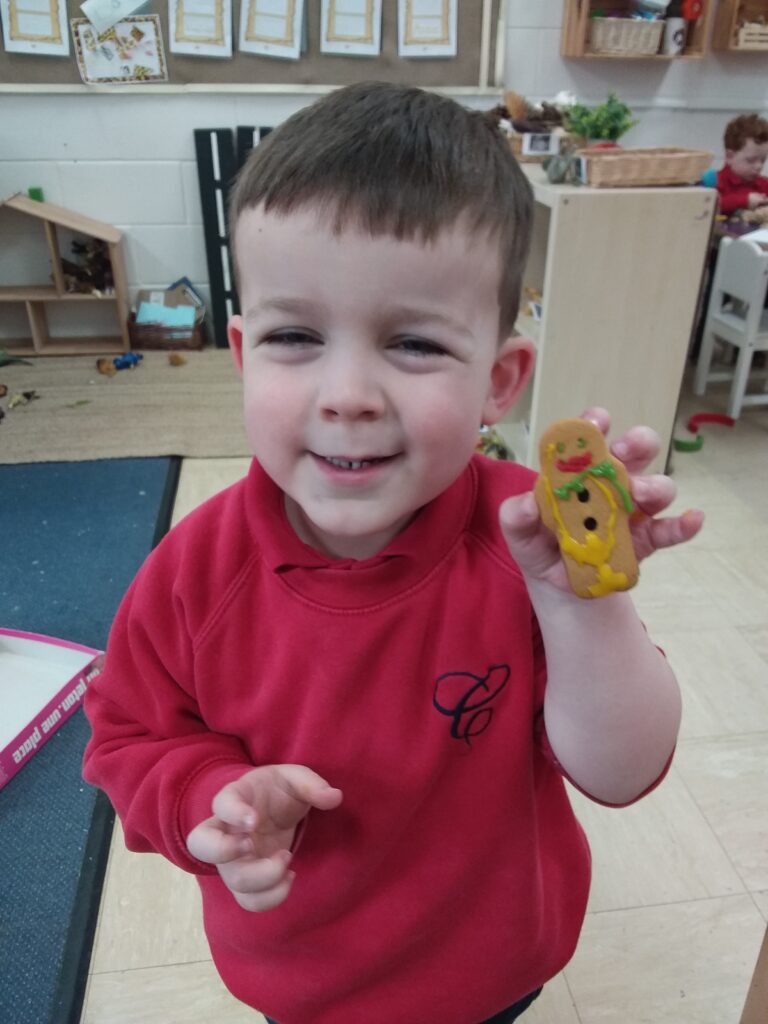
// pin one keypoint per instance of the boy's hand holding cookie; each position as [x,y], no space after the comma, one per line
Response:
[253,828]
[597,506]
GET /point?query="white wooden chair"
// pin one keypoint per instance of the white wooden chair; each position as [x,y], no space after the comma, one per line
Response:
[735,315]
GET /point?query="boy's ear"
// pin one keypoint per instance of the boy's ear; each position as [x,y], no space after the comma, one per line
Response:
[510,373]
[729,155]
[235,339]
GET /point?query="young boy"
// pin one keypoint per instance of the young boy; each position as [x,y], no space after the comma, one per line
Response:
[344,692]
[739,183]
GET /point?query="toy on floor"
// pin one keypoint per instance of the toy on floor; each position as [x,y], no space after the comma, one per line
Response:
[583,497]
[127,361]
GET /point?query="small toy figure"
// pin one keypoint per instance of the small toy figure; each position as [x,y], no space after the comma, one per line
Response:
[127,361]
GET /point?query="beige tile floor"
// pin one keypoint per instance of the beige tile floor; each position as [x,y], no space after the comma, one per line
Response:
[679,902]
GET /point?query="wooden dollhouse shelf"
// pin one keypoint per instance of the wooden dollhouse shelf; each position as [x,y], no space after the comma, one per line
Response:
[44,293]
[577,16]
[36,299]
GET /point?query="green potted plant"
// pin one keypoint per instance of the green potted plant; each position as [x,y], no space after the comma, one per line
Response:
[602,125]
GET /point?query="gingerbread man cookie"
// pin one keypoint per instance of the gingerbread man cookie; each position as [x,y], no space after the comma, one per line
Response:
[583,497]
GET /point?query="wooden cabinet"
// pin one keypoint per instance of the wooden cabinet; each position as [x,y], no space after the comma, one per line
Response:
[577,22]
[741,26]
[619,271]
[33,302]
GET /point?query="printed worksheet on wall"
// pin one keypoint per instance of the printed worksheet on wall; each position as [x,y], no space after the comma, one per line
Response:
[35,26]
[200,28]
[427,28]
[272,28]
[351,27]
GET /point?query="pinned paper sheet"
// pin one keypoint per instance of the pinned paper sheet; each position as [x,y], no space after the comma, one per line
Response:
[351,27]
[272,28]
[200,28]
[35,26]
[427,28]
[103,14]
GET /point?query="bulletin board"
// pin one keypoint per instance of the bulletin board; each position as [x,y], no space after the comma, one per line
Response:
[474,66]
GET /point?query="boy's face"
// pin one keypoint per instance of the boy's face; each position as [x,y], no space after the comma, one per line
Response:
[748,161]
[368,366]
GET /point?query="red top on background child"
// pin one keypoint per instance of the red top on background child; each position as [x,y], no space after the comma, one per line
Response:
[740,184]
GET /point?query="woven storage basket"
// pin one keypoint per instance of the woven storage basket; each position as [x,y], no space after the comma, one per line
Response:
[156,336]
[626,168]
[625,35]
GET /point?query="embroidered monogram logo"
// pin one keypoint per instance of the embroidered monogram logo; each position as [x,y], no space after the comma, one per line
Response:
[466,698]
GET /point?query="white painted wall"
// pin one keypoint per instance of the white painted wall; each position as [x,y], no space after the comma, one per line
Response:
[128,157]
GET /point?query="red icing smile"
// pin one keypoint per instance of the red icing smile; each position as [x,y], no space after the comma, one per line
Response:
[576,463]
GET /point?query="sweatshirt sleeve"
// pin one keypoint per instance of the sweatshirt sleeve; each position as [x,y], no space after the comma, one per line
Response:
[150,749]
[734,200]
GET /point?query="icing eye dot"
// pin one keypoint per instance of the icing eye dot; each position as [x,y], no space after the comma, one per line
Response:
[583,494]
[560,447]
[590,523]
[581,443]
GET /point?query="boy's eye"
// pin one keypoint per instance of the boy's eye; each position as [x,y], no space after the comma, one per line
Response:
[292,338]
[420,347]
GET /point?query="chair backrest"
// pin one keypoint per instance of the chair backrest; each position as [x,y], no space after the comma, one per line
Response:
[742,270]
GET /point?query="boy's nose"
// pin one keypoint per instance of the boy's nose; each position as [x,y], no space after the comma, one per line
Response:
[351,390]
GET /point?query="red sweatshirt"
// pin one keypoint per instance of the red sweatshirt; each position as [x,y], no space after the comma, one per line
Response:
[734,191]
[453,879]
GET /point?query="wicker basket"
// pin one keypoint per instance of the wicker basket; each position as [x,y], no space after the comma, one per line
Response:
[625,35]
[630,168]
[156,336]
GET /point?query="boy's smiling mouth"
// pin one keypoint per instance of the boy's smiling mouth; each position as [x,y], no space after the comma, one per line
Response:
[350,464]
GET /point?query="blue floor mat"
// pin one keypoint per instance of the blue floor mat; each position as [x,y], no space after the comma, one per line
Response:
[73,536]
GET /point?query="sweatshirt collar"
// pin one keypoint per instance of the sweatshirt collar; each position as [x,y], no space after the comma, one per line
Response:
[433,532]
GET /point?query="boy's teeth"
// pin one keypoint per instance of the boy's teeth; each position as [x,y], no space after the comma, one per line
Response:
[349,463]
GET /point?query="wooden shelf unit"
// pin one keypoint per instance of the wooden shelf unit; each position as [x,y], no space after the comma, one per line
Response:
[574,41]
[619,271]
[36,299]
[731,14]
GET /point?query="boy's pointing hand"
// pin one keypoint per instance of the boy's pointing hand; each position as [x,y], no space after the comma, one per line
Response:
[253,827]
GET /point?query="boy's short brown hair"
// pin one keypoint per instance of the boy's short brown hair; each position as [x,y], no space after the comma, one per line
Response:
[396,160]
[741,129]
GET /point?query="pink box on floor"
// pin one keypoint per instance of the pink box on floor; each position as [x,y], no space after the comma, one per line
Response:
[42,682]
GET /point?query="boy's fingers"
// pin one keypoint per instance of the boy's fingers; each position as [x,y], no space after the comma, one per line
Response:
[230,805]
[636,448]
[212,845]
[267,900]
[307,786]
[599,416]
[253,875]
[652,494]
[665,533]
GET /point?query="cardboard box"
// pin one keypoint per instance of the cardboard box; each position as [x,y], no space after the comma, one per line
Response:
[42,682]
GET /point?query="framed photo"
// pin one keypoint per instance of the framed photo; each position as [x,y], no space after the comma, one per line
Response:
[540,144]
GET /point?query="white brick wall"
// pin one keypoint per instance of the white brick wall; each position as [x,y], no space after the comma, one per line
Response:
[129,159]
